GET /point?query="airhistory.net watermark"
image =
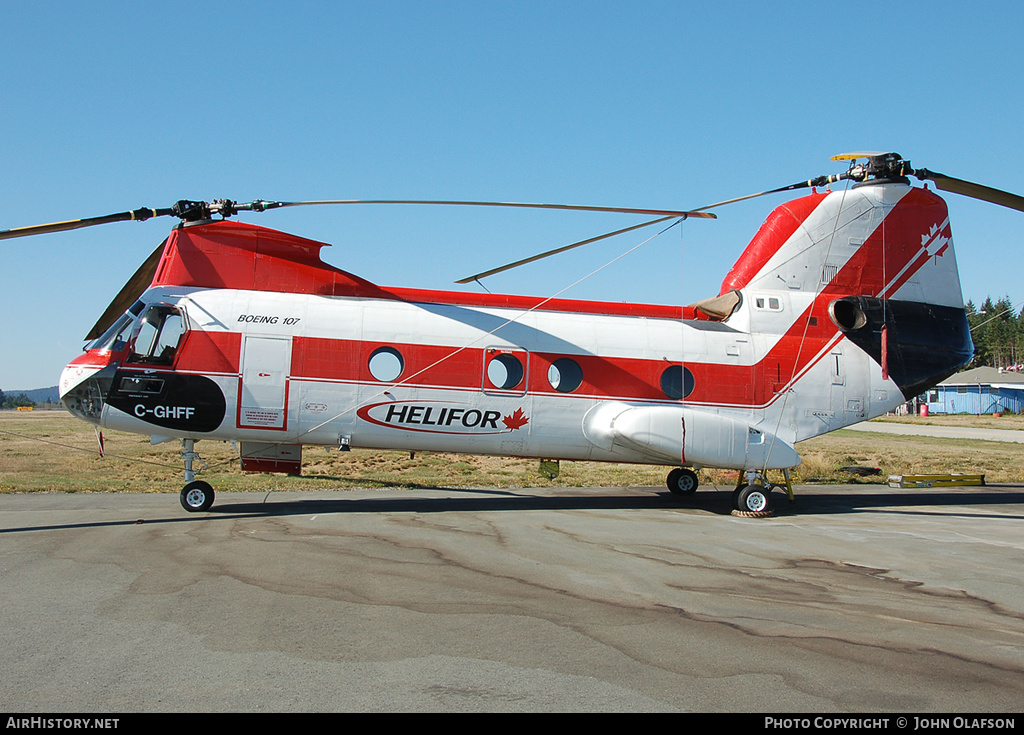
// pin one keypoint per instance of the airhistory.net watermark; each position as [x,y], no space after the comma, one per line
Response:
[61,723]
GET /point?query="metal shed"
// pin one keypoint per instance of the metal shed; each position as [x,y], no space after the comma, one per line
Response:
[978,391]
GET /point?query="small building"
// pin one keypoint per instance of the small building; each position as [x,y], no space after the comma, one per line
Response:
[978,391]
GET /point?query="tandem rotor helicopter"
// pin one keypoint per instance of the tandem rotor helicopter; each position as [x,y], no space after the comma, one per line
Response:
[843,306]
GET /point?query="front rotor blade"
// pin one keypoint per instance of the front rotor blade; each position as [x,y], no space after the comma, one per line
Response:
[129,293]
[970,189]
[74,224]
[572,207]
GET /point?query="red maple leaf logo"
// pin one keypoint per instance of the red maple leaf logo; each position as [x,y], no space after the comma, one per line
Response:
[516,420]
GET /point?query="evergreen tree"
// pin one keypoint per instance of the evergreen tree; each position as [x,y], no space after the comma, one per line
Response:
[997,330]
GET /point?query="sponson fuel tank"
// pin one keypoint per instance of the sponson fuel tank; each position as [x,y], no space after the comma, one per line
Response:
[687,436]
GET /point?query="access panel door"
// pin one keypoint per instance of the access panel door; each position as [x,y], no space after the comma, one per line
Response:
[263,390]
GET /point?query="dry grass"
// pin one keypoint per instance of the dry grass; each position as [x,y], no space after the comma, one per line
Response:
[52,451]
[907,455]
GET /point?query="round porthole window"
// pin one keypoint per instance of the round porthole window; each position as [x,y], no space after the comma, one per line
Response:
[505,371]
[677,382]
[565,375]
[386,364]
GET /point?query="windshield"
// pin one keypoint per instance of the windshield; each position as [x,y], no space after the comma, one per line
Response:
[117,335]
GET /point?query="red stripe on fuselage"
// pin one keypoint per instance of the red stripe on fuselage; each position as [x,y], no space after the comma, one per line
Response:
[340,360]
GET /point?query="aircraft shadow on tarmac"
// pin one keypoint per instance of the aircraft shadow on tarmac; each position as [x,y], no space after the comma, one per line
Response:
[826,500]
[992,501]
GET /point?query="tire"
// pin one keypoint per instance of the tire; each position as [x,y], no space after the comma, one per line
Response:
[753,499]
[682,481]
[197,496]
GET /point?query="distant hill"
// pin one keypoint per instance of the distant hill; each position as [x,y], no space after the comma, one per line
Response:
[39,395]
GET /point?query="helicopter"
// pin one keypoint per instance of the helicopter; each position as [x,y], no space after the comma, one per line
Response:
[843,306]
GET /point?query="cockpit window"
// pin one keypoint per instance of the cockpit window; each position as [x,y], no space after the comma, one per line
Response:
[158,333]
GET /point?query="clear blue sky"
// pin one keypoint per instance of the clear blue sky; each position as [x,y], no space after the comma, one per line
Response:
[108,106]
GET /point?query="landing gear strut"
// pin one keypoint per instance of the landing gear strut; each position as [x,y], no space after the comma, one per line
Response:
[197,495]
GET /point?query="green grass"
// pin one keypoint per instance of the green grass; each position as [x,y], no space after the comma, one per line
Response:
[1014,422]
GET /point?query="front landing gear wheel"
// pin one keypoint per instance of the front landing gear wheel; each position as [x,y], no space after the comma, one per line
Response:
[682,481]
[197,496]
[753,501]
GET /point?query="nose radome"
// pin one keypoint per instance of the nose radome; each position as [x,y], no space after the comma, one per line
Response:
[83,385]
[73,376]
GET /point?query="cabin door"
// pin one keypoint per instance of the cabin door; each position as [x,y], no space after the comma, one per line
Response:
[263,388]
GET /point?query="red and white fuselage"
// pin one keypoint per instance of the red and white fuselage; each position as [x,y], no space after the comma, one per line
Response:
[842,307]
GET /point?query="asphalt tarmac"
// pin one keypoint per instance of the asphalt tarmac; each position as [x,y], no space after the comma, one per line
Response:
[858,598]
[943,432]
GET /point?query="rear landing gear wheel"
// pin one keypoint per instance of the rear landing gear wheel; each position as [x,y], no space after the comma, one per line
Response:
[197,496]
[682,481]
[753,500]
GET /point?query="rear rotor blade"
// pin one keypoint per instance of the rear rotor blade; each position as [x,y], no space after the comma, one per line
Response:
[699,212]
[819,181]
[556,251]
[970,189]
